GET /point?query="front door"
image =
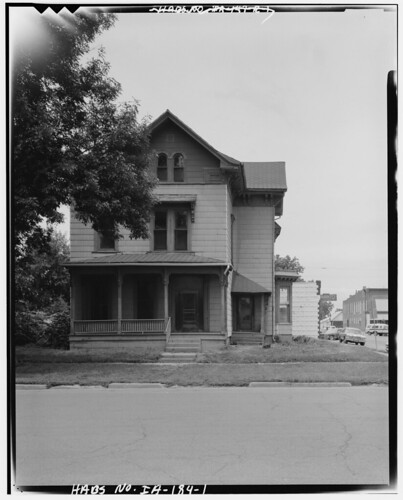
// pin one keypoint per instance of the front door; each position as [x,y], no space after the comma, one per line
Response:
[245,313]
[188,311]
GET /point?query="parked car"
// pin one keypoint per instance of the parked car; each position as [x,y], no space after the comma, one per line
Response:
[331,333]
[377,329]
[354,335]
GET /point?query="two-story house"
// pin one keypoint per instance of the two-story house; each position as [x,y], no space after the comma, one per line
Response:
[207,269]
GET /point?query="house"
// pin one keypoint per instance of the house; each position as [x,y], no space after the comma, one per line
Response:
[335,319]
[205,274]
[369,305]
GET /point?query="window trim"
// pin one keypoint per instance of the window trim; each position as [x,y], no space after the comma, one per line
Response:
[171,169]
[288,287]
[171,227]
[97,244]
[165,167]
[179,168]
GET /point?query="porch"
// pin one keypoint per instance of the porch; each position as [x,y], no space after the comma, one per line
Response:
[146,301]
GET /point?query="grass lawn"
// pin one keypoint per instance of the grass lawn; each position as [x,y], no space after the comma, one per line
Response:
[305,361]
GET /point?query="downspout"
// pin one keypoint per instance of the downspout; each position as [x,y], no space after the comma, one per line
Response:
[273,284]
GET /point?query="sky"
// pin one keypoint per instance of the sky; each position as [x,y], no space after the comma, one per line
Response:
[307,88]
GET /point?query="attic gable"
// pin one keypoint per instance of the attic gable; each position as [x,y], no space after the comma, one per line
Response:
[168,117]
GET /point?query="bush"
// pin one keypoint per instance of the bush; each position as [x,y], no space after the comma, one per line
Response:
[303,339]
[58,330]
[49,328]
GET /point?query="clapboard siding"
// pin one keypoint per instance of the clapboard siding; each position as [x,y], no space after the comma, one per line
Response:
[209,232]
[200,165]
[253,252]
[305,308]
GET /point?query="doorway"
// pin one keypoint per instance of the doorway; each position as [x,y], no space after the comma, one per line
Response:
[244,313]
[189,311]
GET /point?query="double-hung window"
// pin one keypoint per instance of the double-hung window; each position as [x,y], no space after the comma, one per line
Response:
[162,167]
[171,169]
[179,171]
[160,230]
[171,229]
[284,305]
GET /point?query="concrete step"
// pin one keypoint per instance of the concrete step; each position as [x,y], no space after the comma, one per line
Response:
[180,348]
[177,357]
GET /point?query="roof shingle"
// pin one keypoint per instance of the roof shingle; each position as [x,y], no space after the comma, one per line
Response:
[265,175]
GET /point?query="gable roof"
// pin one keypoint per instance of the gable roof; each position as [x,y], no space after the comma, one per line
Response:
[256,176]
[168,115]
[265,175]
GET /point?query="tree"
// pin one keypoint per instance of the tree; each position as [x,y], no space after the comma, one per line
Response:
[325,309]
[42,288]
[71,142]
[288,264]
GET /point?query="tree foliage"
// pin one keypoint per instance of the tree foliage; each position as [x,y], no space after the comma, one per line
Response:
[71,142]
[42,288]
[325,309]
[288,264]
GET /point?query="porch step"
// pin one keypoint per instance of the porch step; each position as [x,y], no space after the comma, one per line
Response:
[182,347]
[177,357]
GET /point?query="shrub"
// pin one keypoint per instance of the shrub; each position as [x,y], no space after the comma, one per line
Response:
[303,339]
[58,330]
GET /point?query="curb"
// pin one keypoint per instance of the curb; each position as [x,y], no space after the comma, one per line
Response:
[300,384]
[135,385]
[138,385]
[31,387]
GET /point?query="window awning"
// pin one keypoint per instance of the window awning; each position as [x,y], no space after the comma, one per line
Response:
[241,284]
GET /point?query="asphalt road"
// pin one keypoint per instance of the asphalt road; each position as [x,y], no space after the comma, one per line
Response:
[281,435]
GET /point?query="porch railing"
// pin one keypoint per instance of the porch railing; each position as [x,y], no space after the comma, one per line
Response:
[96,326]
[128,326]
[143,326]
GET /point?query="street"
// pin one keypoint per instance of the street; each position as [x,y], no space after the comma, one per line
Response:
[377,343]
[289,435]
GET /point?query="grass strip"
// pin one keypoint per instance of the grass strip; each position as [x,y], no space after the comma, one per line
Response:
[207,374]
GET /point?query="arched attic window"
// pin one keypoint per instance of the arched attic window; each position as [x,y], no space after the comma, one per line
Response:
[162,167]
[179,168]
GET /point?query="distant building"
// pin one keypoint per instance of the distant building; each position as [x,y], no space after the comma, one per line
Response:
[369,305]
[335,319]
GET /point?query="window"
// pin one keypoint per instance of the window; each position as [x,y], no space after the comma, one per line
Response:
[284,305]
[162,167]
[171,229]
[179,168]
[105,242]
[181,230]
[160,231]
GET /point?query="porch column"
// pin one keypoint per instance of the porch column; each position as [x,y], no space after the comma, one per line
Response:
[165,281]
[262,315]
[223,315]
[72,301]
[119,302]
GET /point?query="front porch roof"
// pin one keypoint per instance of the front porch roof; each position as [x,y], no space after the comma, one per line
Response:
[242,284]
[149,259]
